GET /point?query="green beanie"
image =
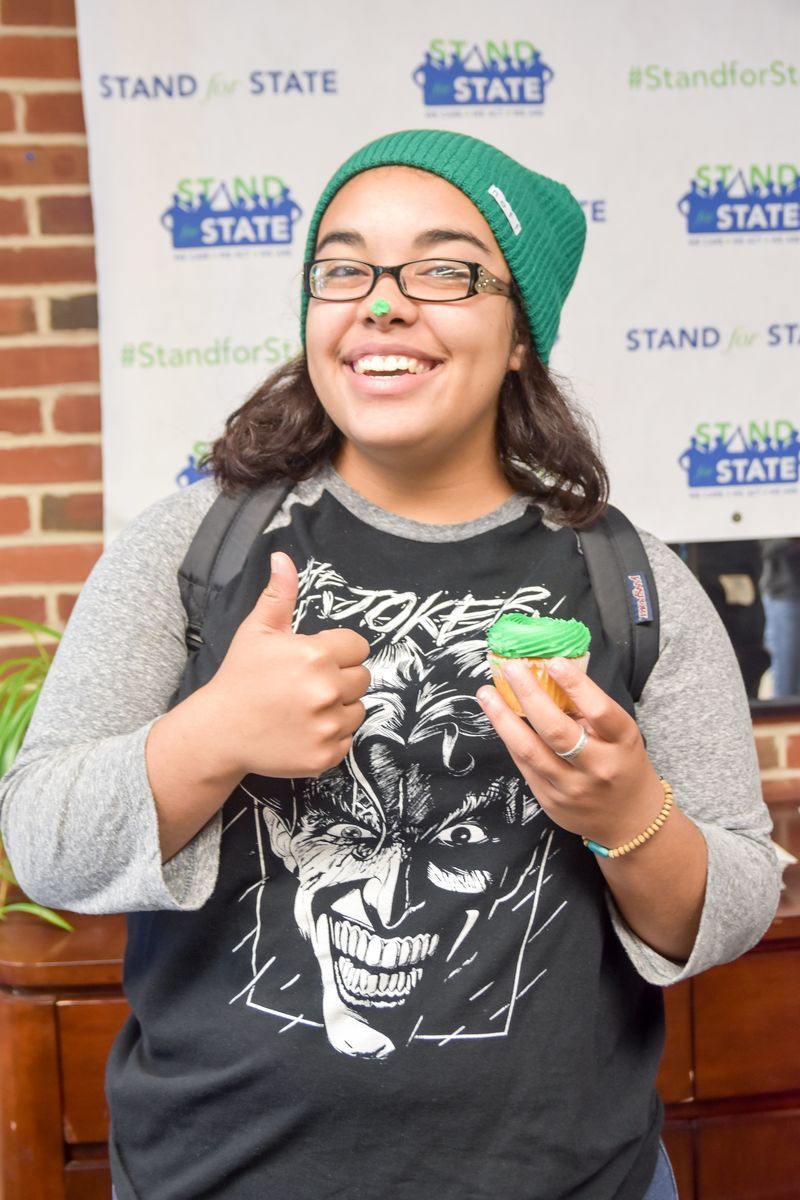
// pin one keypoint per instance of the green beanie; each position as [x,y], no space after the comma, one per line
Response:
[537,222]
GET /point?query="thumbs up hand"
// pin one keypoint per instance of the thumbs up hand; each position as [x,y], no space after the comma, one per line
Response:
[288,704]
[274,608]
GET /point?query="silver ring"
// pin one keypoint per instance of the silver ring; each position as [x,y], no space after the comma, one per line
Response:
[576,749]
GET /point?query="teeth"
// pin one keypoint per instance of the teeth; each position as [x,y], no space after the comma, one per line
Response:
[371,952]
[395,985]
[387,363]
[374,951]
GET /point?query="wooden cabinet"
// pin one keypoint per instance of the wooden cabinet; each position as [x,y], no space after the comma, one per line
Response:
[730,1077]
[60,1009]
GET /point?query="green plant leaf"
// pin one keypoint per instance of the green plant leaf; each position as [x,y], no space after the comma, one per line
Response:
[36,910]
[12,665]
[11,689]
[21,680]
[32,627]
[14,731]
[24,669]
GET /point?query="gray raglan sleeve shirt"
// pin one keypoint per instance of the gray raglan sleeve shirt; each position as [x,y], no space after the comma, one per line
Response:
[77,813]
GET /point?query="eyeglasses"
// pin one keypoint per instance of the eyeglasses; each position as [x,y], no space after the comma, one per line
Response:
[434,279]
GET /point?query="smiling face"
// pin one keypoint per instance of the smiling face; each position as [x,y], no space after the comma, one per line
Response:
[434,403]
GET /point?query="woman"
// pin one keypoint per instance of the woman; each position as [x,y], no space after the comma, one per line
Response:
[375,956]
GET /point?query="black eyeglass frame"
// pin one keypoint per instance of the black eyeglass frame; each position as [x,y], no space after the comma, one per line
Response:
[480,280]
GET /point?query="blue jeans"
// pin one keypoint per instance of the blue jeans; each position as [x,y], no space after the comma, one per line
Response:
[662,1186]
[782,639]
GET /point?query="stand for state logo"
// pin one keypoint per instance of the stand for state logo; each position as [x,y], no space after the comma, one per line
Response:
[743,457]
[504,73]
[195,468]
[726,199]
[205,213]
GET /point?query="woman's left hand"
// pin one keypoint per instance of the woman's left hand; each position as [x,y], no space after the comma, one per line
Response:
[609,791]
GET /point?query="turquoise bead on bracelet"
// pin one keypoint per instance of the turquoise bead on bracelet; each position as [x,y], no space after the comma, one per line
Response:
[618,851]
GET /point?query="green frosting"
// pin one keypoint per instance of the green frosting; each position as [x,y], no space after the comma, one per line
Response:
[516,635]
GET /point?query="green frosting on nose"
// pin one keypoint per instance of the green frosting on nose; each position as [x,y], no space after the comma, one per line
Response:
[515,635]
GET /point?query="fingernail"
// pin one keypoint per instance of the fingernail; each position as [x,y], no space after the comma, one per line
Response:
[556,667]
[486,697]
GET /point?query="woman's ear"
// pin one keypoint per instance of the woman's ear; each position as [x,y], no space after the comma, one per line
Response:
[517,357]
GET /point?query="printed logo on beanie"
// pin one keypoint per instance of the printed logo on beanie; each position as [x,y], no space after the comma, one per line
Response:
[726,199]
[509,72]
[511,216]
[242,213]
[721,455]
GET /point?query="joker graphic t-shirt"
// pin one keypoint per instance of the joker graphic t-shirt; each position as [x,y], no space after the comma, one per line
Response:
[406,981]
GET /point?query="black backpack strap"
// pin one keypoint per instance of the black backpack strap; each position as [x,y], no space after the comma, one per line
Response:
[625,590]
[219,548]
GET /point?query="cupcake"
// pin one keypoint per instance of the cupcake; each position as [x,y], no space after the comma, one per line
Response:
[533,640]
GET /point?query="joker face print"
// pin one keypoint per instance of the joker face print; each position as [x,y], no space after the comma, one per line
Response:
[414,872]
[401,860]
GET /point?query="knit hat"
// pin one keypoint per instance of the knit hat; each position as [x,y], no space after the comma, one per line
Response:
[538,223]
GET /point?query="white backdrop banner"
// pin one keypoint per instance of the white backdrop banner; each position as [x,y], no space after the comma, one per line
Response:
[213,127]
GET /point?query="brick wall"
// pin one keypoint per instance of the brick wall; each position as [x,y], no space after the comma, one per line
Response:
[50,458]
[778,745]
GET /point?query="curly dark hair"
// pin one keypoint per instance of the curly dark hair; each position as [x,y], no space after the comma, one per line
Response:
[545,442]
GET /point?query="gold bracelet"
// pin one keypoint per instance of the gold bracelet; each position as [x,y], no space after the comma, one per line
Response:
[618,851]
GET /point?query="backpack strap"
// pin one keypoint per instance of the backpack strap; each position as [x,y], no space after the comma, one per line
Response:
[219,548]
[625,590]
[619,572]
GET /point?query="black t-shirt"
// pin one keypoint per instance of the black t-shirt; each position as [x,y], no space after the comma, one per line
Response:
[406,982]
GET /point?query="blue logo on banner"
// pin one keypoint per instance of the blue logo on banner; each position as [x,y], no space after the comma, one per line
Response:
[223,219]
[735,461]
[753,202]
[193,472]
[478,79]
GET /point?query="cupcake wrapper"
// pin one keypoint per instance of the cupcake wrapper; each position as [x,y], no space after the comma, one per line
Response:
[538,667]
